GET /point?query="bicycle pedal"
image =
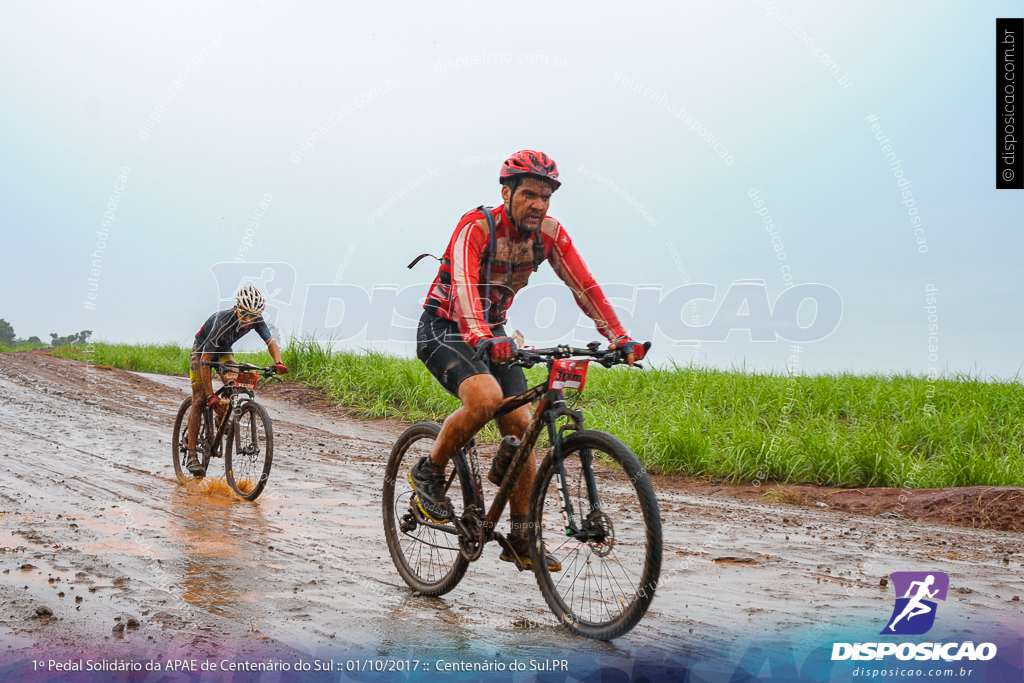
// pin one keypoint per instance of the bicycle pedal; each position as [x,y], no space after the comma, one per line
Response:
[507,545]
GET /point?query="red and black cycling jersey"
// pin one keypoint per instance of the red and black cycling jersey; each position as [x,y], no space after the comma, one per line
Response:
[460,288]
[220,332]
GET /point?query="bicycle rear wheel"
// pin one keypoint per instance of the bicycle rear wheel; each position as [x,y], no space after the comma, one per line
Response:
[428,559]
[249,451]
[609,574]
[179,443]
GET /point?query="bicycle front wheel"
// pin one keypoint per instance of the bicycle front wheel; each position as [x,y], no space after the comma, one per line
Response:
[610,568]
[249,451]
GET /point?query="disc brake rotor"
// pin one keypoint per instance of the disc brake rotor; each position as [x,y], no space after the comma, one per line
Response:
[600,533]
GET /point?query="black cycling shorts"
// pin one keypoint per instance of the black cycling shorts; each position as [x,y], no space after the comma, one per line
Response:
[449,359]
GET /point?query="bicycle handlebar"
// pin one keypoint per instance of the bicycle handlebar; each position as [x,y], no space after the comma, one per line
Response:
[606,357]
[244,367]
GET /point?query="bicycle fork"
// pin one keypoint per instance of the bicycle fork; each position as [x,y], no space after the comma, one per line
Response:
[569,524]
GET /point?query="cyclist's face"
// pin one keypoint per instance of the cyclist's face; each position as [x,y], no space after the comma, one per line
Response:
[529,204]
[245,318]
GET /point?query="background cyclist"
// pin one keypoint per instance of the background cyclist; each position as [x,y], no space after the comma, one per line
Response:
[465,311]
[213,343]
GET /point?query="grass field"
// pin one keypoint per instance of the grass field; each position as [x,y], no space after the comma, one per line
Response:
[166,359]
[839,430]
[22,347]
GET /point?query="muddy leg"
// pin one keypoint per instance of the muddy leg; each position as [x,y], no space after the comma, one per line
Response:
[195,414]
[480,396]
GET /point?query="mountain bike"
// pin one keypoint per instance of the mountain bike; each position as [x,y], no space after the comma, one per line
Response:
[592,506]
[242,434]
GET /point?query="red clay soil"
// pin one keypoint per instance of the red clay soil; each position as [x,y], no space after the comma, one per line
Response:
[979,507]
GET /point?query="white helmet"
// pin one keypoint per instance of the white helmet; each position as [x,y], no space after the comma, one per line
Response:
[250,300]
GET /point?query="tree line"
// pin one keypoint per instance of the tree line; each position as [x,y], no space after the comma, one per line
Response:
[9,339]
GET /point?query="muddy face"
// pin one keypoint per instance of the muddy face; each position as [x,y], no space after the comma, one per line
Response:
[529,203]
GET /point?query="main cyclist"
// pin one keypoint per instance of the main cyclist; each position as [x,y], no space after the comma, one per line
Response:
[489,258]
[213,343]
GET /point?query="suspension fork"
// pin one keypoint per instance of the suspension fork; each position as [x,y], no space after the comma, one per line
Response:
[555,436]
[568,518]
[587,458]
[238,401]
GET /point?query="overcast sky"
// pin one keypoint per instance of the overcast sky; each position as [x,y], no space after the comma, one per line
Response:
[417,119]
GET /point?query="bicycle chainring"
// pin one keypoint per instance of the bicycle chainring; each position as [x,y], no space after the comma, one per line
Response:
[471,543]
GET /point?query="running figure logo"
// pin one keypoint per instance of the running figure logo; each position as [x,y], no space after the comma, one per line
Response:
[914,613]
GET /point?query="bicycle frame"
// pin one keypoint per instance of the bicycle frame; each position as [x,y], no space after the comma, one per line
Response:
[238,395]
[230,415]
[550,408]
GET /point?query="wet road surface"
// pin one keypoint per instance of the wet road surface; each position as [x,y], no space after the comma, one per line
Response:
[95,529]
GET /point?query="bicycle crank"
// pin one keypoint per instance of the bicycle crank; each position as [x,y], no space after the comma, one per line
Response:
[471,533]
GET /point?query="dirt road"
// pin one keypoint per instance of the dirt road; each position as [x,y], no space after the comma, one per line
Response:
[85,454]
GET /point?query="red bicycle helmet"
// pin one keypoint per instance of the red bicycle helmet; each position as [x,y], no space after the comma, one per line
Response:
[530,163]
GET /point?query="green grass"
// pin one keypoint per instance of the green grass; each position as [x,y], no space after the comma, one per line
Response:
[838,430]
[166,359]
[22,347]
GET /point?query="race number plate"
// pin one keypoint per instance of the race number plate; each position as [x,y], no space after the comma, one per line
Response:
[569,374]
[247,380]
